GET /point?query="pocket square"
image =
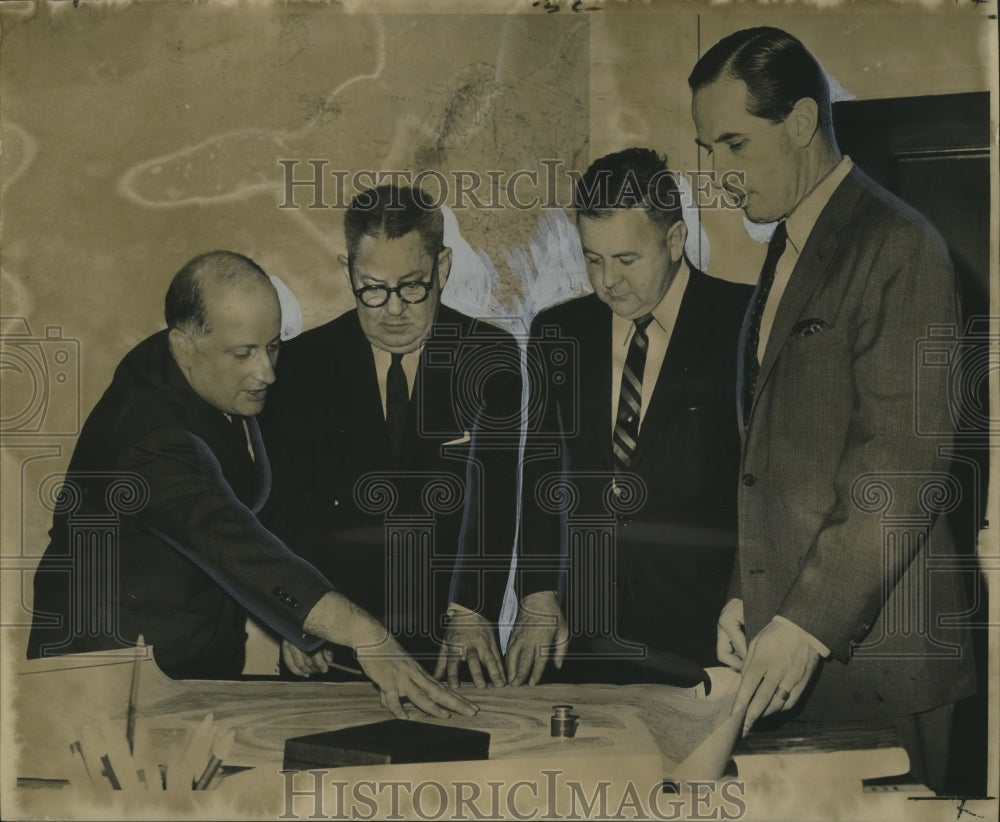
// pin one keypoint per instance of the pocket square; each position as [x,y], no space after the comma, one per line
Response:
[806,328]
[466,437]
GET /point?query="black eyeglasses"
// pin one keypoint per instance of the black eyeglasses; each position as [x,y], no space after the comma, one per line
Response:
[375,296]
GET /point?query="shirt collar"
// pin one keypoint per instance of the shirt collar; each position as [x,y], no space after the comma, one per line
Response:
[665,313]
[802,219]
[382,355]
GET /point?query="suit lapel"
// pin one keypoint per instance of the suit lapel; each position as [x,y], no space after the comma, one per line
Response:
[262,463]
[809,271]
[683,341]
[595,375]
[355,388]
[430,417]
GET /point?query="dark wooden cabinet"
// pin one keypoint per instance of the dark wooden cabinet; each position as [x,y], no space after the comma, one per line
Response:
[934,153]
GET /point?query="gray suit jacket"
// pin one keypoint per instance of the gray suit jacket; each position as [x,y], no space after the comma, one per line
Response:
[844,479]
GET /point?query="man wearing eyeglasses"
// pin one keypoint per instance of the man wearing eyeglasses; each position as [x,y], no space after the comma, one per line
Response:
[392,427]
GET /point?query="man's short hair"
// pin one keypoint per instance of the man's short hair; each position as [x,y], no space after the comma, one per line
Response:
[776,67]
[393,212]
[184,306]
[633,178]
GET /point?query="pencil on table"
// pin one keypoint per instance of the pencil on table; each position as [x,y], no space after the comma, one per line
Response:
[80,770]
[213,770]
[190,767]
[133,694]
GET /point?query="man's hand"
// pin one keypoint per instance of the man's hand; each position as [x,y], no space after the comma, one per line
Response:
[470,637]
[779,664]
[302,664]
[731,642]
[539,632]
[397,676]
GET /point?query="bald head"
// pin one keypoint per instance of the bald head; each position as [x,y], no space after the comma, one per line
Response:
[225,320]
[187,297]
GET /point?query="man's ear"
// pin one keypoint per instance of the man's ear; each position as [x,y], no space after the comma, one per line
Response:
[182,347]
[802,121]
[676,238]
[444,267]
[342,258]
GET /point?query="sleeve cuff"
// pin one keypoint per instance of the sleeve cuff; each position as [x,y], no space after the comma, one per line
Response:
[454,609]
[819,646]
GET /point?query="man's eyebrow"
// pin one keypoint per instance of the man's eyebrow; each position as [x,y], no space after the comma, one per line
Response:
[722,138]
[417,272]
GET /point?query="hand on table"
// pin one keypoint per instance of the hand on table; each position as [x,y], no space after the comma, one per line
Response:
[398,676]
[778,666]
[731,642]
[539,632]
[395,673]
[470,638]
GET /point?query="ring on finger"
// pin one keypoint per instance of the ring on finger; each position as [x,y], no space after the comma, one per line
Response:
[783,695]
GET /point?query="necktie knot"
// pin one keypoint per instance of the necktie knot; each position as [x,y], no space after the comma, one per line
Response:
[776,245]
[642,323]
[397,359]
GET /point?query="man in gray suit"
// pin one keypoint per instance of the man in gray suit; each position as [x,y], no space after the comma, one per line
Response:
[841,502]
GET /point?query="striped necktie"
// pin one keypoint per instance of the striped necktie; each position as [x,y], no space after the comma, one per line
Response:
[751,365]
[626,433]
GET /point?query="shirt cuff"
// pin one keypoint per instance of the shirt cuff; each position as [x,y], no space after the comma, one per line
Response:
[527,597]
[735,604]
[819,646]
[454,609]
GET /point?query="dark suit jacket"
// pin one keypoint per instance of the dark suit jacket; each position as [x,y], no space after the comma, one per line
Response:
[171,479]
[675,543]
[388,535]
[844,466]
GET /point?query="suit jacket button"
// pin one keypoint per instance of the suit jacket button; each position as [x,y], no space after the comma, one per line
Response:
[278,592]
[749,479]
[293,602]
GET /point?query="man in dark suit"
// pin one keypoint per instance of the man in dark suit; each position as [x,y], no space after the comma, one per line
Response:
[173,451]
[647,442]
[395,429]
[841,502]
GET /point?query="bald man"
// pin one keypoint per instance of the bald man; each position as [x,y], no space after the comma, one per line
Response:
[172,455]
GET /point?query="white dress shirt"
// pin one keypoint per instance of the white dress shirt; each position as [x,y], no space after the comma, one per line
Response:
[383,359]
[799,225]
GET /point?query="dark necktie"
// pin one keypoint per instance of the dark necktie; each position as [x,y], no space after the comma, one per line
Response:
[751,365]
[397,398]
[626,433]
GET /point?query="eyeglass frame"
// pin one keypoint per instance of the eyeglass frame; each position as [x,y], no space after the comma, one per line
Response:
[428,286]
